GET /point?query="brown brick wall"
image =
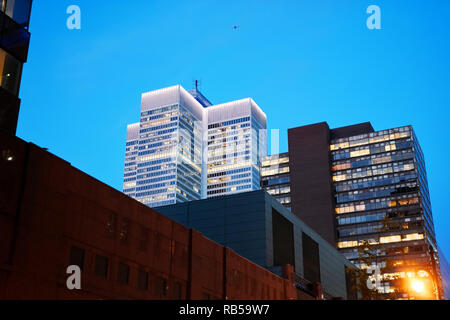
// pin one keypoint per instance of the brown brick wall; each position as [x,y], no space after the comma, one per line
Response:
[47,206]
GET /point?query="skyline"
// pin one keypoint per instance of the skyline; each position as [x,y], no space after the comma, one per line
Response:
[330,73]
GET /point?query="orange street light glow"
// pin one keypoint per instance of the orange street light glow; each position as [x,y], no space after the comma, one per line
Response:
[418,286]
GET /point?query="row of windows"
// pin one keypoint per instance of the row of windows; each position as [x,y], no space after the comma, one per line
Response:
[374,159]
[166,147]
[382,240]
[374,182]
[378,204]
[129,174]
[231,183]
[361,219]
[284,200]
[275,181]
[229,172]
[229,164]
[232,189]
[374,171]
[274,160]
[160,110]
[154,174]
[131,143]
[102,269]
[230,133]
[129,155]
[153,192]
[227,123]
[164,126]
[378,148]
[159,138]
[230,142]
[160,116]
[226,155]
[157,134]
[163,178]
[368,140]
[149,163]
[281,190]
[170,195]
[377,193]
[375,228]
[149,146]
[157,122]
[273,171]
[160,203]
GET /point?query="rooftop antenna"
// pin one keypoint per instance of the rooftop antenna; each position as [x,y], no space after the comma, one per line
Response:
[197,84]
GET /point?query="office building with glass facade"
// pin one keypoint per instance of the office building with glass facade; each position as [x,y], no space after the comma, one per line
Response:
[184,148]
[357,186]
[14,42]
[378,176]
[163,160]
[275,178]
[235,144]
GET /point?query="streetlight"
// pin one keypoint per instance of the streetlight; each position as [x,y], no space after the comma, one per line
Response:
[418,286]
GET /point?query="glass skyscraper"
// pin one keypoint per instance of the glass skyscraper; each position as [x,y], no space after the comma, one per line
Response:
[163,161]
[382,175]
[236,141]
[356,186]
[185,149]
[275,178]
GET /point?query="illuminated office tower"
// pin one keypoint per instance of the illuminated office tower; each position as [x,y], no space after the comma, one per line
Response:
[379,175]
[356,186]
[185,149]
[275,178]
[164,150]
[236,142]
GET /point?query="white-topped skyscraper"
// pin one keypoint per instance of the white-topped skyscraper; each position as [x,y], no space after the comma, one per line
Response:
[164,150]
[185,149]
[236,142]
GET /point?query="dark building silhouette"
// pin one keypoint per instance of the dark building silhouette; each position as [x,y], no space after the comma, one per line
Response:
[14,41]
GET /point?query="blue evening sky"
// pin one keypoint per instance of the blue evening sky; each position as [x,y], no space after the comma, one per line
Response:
[302,61]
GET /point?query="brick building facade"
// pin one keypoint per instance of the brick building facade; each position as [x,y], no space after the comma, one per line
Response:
[53,215]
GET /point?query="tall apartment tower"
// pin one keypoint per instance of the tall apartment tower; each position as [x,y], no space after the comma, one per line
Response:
[14,42]
[346,183]
[184,148]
